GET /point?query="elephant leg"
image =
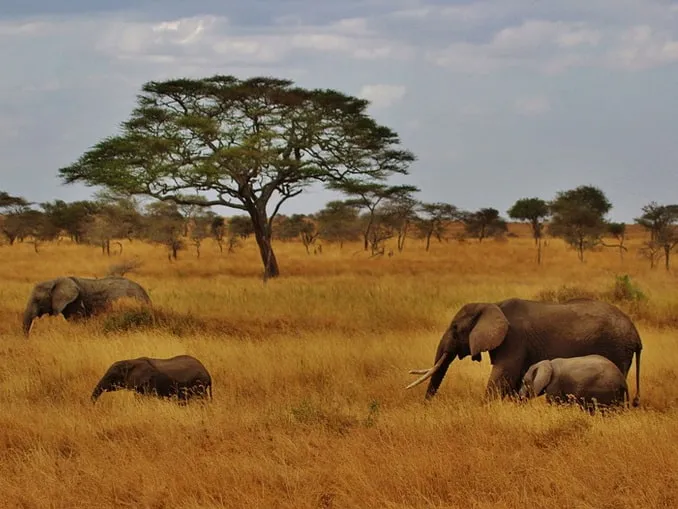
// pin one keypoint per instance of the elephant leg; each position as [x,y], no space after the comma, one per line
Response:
[504,381]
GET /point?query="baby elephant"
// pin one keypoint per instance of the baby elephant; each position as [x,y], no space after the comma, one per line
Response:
[587,378]
[182,376]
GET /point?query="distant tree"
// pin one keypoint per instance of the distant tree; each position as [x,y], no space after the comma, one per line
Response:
[484,223]
[534,211]
[218,231]
[240,226]
[400,211]
[164,225]
[382,228]
[339,222]
[369,196]
[432,217]
[72,218]
[660,221]
[199,227]
[298,226]
[247,144]
[618,231]
[13,208]
[117,217]
[578,217]
[36,225]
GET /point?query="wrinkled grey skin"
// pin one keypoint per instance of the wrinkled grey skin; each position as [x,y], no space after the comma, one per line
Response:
[182,376]
[518,333]
[591,380]
[76,297]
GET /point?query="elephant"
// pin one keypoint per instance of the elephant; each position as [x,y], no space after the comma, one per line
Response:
[517,333]
[77,297]
[590,379]
[182,376]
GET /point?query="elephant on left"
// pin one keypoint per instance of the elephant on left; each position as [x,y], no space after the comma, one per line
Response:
[77,297]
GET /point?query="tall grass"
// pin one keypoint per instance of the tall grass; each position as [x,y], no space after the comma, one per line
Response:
[309,372]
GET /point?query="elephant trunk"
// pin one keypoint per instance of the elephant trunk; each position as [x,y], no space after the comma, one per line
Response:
[437,377]
[104,385]
[436,374]
[30,314]
[98,390]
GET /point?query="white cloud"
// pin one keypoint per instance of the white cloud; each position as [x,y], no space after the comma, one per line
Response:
[382,95]
[641,47]
[531,106]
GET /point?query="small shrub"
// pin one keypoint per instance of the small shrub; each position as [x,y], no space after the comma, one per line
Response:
[625,290]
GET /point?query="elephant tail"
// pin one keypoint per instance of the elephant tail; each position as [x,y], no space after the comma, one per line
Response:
[636,400]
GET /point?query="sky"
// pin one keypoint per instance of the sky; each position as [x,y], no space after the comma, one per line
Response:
[498,99]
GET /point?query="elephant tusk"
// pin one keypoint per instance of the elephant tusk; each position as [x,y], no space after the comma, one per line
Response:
[428,373]
[418,371]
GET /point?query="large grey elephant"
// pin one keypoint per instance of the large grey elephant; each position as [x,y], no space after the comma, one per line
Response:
[77,297]
[590,379]
[518,333]
[182,376]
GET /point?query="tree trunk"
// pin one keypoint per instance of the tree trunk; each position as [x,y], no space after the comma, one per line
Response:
[538,251]
[667,256]
[428,240]
[262,234]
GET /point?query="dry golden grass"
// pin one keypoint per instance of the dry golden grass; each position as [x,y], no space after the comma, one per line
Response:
[309,371]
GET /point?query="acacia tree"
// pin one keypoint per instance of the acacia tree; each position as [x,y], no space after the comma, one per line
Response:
[432,217]
[484,223]
[14,208]
[660,221]
[73,218]
[401,212]
[248,144]
[165,225]
[338,222]
[533,210]
[579,217]
[369,196]
[618,231]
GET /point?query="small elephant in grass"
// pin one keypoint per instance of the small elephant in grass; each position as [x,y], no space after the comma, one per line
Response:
[591,379]
[76,297]
[182,376]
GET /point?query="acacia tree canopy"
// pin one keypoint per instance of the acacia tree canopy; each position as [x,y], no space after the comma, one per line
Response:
[245,144]
[579,217]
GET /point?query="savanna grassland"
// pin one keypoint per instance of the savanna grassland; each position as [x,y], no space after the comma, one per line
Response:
[309,373]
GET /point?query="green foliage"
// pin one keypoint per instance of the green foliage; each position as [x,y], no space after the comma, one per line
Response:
[431,219]
[370,196]
[533,210]
[617,230]
[579,217]
[625,290]
[244,144]
[240,226]
[484,223]
[660,221]
[339,222]
[72,218]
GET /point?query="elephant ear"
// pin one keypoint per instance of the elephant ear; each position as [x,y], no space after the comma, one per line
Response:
[64,292]
[489,331]
[542,377]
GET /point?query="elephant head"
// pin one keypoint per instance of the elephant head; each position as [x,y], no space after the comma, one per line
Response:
[50,297]
[536,379]
[477,327]
[119,376]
